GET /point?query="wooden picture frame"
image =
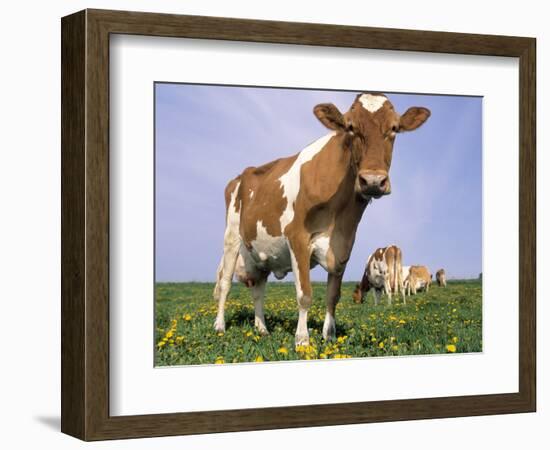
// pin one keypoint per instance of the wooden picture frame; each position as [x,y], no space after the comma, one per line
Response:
[85,224]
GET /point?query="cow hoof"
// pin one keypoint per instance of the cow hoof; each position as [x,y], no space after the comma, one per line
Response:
[329,335]
[263,331]
[302,340]
[329,328]
[219,325]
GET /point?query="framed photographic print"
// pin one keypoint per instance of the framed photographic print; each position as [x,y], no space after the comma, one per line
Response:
[273,225]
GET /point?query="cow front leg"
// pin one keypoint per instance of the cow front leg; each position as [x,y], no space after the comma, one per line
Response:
[376,296]
[334,284]
[299,255]
[258,293]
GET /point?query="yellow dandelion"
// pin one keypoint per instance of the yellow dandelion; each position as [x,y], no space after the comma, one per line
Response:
[161,343]
[381,344]
[219,360]
[283,351]
[402,321]
[259,359]
[454,339]
[451,348]
[249,333]
[220,333]
[394,348]
[187,317]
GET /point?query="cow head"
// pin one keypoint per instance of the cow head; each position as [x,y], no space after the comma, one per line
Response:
[357,294]
[370,127]
[378,271]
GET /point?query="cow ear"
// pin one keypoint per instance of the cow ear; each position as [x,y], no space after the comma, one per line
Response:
[330,116]
[413,118]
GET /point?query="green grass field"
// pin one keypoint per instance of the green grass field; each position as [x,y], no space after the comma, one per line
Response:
[444,320]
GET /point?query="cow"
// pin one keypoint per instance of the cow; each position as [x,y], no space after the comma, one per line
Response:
[299,211]
[405,274]
[419,278]
[441,278]
[383,272]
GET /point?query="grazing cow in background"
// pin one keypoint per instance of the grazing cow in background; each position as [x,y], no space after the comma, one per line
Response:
[405,275]
[419,278]
[382,272]
[441,278]
[296,212]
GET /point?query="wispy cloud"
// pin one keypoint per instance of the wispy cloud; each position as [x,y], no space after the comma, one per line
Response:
[206,135]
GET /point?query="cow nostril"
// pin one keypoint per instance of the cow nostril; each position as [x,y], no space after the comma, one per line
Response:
[383,182]
[363,182]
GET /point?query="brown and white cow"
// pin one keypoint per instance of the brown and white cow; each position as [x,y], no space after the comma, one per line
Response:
[441,278]
[296,212]
[383,272]
[419,278]
[405,274]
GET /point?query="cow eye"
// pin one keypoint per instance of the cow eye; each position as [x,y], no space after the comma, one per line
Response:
[394,129]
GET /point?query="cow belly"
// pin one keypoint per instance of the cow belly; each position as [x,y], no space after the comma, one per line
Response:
[420,284]
[270,254]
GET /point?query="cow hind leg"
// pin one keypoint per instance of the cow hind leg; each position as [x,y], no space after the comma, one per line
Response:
[258,294]
[334,284]
[387,288]
[219,273]
[225,275]
[401,285]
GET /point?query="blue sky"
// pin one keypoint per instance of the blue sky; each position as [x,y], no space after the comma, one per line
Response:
[206,135]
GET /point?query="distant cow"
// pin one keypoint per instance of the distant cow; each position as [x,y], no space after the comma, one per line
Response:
[405,274]
[441,278]
[419,278]
[382,272]
[296,212]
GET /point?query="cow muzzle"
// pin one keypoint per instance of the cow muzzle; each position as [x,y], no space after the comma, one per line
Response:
[374,183]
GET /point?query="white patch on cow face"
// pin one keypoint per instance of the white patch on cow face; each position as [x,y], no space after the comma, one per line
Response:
[320,247]
[290,181]
[251,194]
[372,103]
[378,272]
